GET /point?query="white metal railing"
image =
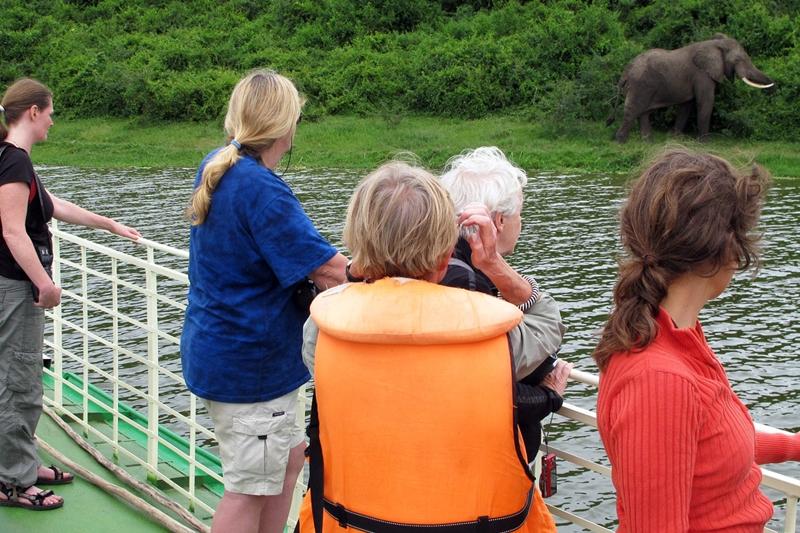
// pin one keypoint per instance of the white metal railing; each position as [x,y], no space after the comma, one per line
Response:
[132,286]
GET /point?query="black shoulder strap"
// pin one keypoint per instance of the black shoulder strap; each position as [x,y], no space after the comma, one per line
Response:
[316,468]
[40,194]
[520,455]
[473,284]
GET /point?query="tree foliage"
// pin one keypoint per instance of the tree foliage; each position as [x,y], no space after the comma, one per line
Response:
[557,60]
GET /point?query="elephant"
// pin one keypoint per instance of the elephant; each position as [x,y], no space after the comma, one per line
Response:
[661,78]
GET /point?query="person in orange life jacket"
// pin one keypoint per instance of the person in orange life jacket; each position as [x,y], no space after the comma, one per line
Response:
[483,181]
[683,448]
[26,290]
[416,419]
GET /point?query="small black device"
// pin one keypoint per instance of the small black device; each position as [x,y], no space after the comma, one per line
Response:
[547,481]
[46,259]
[303,294]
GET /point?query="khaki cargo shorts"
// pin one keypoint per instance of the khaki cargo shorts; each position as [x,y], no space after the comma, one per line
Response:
[254,442]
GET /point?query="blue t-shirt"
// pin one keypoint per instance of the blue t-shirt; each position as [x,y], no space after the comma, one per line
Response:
[242,332]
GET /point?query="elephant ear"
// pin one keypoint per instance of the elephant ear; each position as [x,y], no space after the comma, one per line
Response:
[709,59]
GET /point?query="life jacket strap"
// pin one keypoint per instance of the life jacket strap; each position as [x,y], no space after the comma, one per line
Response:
[483,524]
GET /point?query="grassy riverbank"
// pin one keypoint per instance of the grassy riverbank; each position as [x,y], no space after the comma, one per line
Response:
[364,142]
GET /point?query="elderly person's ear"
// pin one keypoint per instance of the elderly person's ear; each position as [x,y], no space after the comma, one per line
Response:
[499,220]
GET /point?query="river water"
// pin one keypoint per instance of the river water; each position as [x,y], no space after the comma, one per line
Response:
[569,242]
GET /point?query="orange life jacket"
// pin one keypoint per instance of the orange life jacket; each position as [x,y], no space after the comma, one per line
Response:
[414,391]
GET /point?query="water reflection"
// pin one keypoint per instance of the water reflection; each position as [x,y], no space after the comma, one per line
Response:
[569,242]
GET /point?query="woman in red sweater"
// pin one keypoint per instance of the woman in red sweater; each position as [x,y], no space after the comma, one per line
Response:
[683,448]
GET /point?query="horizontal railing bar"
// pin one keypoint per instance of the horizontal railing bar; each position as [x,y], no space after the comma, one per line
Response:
[124,283]
[144,292]
[584,377]
[578,460]
[169,373]
[129,320]
[578,413]
[122,256]
[177,252]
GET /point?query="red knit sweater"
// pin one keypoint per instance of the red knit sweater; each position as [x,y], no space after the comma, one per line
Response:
[682,446]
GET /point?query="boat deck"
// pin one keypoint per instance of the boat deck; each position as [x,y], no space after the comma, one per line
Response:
[87,508]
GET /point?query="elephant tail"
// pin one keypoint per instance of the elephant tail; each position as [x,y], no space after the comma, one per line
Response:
[612,116]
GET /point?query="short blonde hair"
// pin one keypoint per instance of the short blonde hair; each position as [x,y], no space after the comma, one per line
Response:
[485,176]
[264,106]
[400,222]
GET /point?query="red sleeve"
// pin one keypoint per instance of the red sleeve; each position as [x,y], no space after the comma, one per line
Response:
[777,447]
[652,445]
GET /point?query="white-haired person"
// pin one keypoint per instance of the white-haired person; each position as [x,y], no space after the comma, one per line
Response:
[26,290]
[251,246]
[484,180]
[412,425]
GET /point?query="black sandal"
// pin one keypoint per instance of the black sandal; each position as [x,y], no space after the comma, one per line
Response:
[14,493]
[59,477]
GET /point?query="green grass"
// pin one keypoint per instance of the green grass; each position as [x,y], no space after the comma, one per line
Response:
[348,142]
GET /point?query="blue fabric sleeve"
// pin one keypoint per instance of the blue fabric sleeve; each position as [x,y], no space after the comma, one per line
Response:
[288,240]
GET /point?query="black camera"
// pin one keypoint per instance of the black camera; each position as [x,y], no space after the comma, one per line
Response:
[303,293]
[46,259]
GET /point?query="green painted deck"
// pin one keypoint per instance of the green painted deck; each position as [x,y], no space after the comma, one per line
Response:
[89,509]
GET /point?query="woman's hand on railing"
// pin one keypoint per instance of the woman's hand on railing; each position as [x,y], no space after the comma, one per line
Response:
[124,231]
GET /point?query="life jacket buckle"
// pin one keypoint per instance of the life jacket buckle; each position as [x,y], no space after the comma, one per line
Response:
[341,515]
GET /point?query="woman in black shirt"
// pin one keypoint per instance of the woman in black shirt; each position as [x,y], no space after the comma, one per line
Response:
[26,290]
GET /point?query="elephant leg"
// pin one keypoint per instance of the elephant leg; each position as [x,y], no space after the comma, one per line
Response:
[628,118]
[705,105]
[644,126]
[682,117]
[622,133]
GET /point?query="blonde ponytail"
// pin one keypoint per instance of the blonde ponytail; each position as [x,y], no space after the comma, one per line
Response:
[263,107]
[216,167]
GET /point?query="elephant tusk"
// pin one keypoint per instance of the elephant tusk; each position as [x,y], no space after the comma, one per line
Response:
[757,85]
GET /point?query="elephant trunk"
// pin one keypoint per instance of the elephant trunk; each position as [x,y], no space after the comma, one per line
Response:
[752,76]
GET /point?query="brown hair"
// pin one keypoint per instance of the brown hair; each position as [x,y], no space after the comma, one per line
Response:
[21,96]
[687,212]
[400,222]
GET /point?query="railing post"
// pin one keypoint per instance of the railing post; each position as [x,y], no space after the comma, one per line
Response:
[85,315]
[790,522]
[58,334]
[192,449]
[152,367]
[115,354]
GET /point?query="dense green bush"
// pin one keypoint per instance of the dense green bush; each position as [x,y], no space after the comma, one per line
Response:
[555,61]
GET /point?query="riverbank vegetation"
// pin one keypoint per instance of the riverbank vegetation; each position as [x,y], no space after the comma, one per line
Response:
[350,142]
[547,69]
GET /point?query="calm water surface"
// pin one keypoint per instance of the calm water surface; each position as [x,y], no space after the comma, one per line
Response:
[568,241]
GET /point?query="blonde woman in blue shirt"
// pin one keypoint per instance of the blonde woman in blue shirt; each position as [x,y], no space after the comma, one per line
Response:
[251,244]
